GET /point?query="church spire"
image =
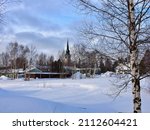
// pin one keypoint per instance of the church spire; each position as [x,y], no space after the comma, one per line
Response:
[68,56]
[67,51]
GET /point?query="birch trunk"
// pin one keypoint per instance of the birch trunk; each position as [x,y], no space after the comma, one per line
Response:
[134,59]
[135,82]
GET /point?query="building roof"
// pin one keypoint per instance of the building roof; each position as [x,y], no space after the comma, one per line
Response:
[34,70]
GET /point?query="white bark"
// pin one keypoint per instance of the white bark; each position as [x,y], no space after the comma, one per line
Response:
[134,60]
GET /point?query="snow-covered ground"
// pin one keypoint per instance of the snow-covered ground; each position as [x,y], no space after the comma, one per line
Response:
[67,95]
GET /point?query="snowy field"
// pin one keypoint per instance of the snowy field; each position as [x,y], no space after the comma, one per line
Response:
[67,95]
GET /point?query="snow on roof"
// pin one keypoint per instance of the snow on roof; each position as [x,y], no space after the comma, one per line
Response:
[34,70]
[12,71]
[122,67]
[51,73]
[17,70]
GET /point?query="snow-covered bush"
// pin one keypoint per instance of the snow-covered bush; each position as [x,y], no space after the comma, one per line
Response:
[3,77]
[78,75]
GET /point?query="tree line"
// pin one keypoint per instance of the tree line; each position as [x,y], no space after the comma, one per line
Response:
[18,56]
[84,57]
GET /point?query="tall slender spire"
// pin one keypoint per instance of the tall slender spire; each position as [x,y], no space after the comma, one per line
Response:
[68,56]
[67,51]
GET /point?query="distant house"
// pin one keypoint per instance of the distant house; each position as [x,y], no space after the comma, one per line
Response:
[122,69]
[12,73]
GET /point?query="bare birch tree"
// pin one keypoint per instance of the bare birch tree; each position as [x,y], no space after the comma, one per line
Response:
[12,50]
[124,28]
[32,57]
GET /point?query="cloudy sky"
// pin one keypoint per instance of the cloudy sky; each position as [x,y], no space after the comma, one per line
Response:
[47,24]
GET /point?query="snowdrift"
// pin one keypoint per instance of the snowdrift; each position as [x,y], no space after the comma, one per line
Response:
[15,103]
[3,77]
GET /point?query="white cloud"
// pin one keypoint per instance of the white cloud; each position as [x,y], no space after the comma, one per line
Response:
[44,23]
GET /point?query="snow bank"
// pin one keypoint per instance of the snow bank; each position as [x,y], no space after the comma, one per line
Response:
[78,75]
[67,95]
[3,77]
[14,102]
[107,74]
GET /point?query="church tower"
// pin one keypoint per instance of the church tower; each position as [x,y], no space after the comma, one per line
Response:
[67,55]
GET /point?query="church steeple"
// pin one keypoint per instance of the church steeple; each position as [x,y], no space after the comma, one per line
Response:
[67,55]
[67,50]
